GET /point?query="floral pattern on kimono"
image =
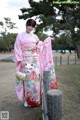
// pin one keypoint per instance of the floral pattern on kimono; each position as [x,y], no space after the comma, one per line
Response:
[25,49]
[40,56]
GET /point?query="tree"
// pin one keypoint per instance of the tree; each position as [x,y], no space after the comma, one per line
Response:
[71,20]
[7,39]
[64,42]
[42,36]
[7,42]
[45,11]
[7,25]
[1,23]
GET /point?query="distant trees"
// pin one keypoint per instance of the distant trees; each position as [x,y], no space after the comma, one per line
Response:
[7,38]
[7,42]
[64,42]
[7,25]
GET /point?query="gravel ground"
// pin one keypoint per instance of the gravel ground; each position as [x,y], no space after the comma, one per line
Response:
[8,99]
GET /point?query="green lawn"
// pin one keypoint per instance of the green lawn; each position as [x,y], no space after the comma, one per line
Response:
[69,74]
[68,77]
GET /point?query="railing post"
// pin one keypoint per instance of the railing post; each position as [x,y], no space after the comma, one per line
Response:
[56,61]
[46,79]
[51,100]
[75,59]
[68,60]
[60,60]
[54,104]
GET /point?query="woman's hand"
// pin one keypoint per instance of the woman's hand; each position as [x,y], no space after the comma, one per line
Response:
[22,63]
[52,38]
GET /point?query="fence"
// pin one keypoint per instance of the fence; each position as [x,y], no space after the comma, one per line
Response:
[51,100]
[66,60]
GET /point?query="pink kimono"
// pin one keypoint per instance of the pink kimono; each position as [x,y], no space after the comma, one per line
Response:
[37,58]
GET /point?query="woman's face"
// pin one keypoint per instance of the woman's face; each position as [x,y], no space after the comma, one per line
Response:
[29,29]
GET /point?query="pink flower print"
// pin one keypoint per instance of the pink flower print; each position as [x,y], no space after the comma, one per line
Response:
[33,50]
[53,85]
[33,75]
[54,78]
[19,88]
[35,90]
[50,61]
[38,49]
[29,92]
[48,66]
[35,98]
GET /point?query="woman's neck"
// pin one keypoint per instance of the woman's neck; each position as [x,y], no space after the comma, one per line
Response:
[27,32]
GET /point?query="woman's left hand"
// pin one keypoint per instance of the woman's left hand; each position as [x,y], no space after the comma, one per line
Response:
[52,38]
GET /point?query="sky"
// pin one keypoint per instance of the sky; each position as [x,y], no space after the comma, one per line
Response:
[11,9]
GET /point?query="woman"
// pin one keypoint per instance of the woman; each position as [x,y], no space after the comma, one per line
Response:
[29,59]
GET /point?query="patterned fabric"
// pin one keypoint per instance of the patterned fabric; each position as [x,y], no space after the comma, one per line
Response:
[47,63]
[37,58]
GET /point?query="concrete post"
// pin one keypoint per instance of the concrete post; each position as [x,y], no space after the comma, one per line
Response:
[54,104]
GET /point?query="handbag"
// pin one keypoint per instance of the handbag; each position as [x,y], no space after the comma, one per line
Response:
[21,76]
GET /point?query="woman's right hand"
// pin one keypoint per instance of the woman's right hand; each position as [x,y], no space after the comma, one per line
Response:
[22,63]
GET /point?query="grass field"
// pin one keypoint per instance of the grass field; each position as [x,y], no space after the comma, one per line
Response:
[69,74]
[68,77]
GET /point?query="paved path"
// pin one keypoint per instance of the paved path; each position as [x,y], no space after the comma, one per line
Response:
[2,56]
[8,99]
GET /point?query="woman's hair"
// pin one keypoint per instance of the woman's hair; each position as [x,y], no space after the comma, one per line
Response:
[31,22]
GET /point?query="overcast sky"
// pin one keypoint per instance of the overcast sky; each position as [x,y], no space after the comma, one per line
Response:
[11,8]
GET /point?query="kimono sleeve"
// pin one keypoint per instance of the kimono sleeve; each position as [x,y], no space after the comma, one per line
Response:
[18,50]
